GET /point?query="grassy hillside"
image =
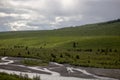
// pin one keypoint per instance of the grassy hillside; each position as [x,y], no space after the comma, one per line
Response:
[99,29]
[72,45]
[54,38]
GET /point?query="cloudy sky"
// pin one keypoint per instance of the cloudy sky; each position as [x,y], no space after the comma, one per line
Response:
[52,14]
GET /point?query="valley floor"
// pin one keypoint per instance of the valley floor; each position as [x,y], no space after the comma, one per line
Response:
[55,71]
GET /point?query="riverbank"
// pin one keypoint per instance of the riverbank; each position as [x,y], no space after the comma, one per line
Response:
[55,71]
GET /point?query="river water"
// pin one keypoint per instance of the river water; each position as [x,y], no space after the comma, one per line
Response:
[53,75]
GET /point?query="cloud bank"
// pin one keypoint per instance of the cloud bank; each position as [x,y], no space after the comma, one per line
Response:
[18,15]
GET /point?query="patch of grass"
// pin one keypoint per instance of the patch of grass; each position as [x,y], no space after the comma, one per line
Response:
[87,57]
[93,42]
[5,76]
[34,62]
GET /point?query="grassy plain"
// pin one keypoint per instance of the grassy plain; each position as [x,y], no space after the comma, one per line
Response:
[93,45]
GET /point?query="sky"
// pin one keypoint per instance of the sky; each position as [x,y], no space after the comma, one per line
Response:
[17,15]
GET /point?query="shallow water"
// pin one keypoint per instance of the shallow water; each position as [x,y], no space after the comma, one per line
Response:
[54,75]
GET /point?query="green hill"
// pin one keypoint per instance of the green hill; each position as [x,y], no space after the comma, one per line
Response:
[93,45]
[99,29]
[88,36]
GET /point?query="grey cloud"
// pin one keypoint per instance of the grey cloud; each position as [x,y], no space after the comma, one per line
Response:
[47,14]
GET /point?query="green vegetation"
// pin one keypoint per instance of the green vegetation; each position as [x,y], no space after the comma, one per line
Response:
[5,76]
[93,45]
[33,62]
[102,57]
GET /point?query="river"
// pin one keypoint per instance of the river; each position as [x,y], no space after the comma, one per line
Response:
[55,72]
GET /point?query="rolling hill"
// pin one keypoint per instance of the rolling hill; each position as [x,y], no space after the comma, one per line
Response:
[105,34]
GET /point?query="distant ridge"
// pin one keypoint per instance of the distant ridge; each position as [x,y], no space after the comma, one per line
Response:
[112,21]
[110,28]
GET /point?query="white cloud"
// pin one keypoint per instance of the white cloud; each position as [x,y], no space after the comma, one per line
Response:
[73,18]
[17,25]
[21,16]
[21,25]
[58,19]
[61,19]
